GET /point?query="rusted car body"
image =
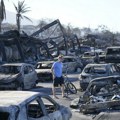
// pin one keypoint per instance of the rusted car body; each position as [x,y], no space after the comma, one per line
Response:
[26,105]
[17,76]
[43,69]
[102,94]
[92,71]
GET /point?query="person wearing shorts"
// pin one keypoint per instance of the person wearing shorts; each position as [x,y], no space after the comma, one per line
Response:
[58,79]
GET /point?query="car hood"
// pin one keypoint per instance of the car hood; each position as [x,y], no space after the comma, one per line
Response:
[43,70]
[4,78]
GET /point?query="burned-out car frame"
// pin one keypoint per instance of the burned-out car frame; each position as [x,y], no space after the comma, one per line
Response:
[17,76]
[101,94]
[92,71]
[71,64]
[26,105]
[43,69]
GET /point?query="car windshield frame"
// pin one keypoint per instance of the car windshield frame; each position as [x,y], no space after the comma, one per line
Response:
[96,69]
[7,69]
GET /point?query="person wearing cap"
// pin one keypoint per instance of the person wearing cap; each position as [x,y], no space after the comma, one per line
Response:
[58,79]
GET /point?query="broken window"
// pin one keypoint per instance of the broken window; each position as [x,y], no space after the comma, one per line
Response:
[34,110]
[10,69]
[49,105]
[4,115]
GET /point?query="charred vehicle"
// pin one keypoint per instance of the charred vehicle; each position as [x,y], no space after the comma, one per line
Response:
[43,69]
[17,76]
[101,94]
[92,71]
[71,64]
[112,54]
[102,56]
[90,57]
[24,105]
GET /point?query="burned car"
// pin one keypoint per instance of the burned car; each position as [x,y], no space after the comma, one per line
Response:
[26,105]
[71,64]
[90,57]
[112,54]
[92,71]
[102,56]
[17,76]
[101,94]
[43,69]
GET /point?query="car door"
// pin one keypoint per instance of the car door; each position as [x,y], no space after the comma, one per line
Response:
[98,71]
[35,112]
[69,64]
[51,108]
[29,77]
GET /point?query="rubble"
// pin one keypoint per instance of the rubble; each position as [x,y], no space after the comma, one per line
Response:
[102,94]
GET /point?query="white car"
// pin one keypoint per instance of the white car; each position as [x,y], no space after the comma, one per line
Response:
[26,105]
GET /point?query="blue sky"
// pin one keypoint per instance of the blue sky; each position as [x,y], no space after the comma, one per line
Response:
[78,13]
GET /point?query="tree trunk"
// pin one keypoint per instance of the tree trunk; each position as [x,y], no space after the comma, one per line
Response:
[18,22]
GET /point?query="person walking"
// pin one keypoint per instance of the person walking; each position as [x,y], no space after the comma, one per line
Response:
[58,79]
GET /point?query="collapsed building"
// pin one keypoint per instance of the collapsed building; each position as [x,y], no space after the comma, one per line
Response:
[46,43]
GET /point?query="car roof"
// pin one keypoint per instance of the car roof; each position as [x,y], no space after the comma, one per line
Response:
[14,64]
[8,98]
[113,47]
[68,56]
[105,78]
[103,64]
[45,62]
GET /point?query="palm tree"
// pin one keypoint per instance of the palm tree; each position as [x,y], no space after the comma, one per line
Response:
[21,9]
[2,12]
